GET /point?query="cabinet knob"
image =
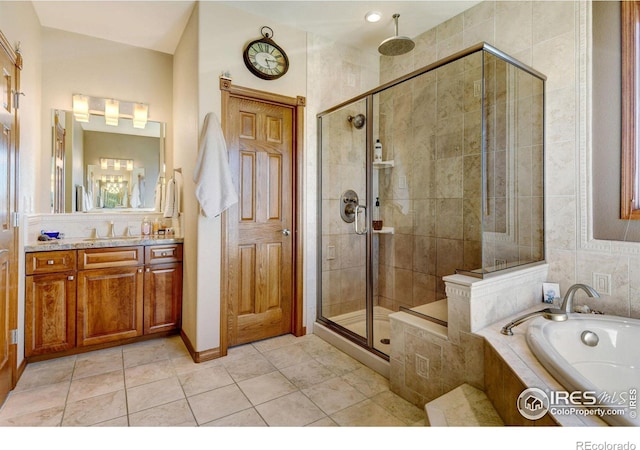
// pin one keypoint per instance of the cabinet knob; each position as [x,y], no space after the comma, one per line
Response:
[140,270]
[148,270]
[70,278]
[50,262]
[163,254]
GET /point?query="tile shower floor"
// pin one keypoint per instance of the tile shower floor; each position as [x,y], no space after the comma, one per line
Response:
[284,381]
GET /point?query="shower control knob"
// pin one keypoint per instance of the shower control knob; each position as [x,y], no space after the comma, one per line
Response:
[286,232]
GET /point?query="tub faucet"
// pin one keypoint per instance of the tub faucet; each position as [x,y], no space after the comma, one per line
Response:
[567,302]
[555,314]
[111,233]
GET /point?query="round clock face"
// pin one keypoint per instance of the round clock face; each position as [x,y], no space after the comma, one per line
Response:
[265,59]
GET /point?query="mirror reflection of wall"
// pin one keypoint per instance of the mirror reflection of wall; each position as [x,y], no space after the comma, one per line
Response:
[89,144]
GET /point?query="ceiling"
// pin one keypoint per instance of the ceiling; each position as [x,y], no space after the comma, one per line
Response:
[158,24]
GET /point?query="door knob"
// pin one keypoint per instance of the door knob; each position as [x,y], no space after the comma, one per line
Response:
[286,232]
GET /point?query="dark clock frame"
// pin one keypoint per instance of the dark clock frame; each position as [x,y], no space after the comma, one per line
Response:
[257,72]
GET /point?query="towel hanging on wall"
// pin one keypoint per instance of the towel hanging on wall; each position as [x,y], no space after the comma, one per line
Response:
[172,203]
[214,187]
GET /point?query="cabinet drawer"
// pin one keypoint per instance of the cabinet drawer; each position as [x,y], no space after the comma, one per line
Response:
[156,254]
[97,258]
[50,262]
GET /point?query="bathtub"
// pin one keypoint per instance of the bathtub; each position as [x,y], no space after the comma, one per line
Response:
[605,367]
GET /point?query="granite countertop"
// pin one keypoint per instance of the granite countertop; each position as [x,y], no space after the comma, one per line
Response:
[515,351]
[82,243]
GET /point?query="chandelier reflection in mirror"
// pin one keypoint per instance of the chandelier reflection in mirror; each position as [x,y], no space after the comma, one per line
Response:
[116,164]
[111,109]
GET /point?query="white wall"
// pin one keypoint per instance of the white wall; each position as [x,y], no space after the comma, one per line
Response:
[185,125]
[222,34]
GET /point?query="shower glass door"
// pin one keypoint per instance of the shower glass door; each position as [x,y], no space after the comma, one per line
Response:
[344,221]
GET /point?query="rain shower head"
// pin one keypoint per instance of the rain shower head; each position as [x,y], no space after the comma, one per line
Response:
[357,121]
[396,45]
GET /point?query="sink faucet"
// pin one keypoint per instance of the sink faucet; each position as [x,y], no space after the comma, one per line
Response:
[111,233]
[555,314]
[567,302]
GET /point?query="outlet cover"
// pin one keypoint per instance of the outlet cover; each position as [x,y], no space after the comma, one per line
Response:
[422,366]
[602,283]
[477,88]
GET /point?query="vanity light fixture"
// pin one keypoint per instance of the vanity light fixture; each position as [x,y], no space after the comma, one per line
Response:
[81,107]
[116,164]
[373,16]
[111,112]
[140,114]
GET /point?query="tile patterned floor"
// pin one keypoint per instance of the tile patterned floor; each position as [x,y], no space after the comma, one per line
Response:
[285,381]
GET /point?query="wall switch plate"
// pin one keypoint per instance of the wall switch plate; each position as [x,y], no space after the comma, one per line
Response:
[331,252]
[402,182]
[602,283]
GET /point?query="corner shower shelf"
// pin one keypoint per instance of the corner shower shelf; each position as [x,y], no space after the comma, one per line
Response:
[385,230]
[383,164]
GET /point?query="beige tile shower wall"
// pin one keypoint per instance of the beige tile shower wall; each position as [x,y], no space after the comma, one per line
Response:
[343,251]
[546,36]
[431,128]
[327,85]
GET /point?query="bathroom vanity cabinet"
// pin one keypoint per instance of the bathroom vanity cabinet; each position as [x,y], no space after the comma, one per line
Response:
[50,302]
[162,288]
[110,294]
[96,297]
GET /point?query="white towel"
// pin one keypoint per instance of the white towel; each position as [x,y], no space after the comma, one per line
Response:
[159,193]
[214,187]
[135,194]
[172,204]
[86,205]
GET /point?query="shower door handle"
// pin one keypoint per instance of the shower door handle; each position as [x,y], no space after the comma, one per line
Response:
[364,210]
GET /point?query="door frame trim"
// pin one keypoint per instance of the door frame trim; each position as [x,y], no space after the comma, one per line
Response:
[297,105]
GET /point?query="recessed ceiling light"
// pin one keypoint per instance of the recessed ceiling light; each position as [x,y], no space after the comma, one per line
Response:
[373,16]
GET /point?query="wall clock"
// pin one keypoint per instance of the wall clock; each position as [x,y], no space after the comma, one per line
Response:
[264,58]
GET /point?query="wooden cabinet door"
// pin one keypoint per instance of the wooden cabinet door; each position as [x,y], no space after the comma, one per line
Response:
[50,313]
[162,297]
[109,305]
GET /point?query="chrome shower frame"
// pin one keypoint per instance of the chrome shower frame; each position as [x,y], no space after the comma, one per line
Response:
[368,341]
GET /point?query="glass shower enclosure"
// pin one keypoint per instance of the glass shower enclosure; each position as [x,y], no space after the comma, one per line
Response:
[456,188]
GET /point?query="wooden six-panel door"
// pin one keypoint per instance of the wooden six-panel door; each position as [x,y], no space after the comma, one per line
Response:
[10,65]
[259,238]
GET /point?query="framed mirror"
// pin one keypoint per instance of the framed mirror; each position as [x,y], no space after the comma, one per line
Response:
[97,167]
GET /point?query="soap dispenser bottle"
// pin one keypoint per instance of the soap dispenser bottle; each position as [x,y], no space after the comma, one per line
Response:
[146,227]
[377,222]
[377,151]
